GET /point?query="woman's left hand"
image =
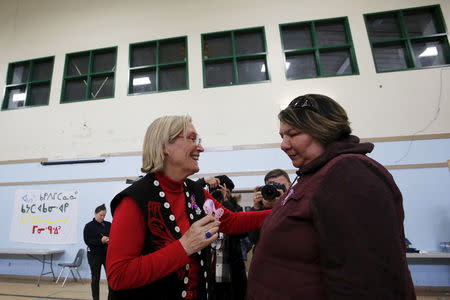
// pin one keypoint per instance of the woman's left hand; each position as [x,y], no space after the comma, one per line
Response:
[200,235]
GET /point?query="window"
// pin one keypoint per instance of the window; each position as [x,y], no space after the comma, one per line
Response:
[234,57]
[408,39]
[89,75]
[318,48]
[158,66]
[28,83]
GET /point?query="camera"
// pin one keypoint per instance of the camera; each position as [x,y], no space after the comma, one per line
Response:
[224,180]
[270,190]
[217,194]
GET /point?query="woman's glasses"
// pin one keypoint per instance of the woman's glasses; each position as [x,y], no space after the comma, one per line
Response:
[193,137]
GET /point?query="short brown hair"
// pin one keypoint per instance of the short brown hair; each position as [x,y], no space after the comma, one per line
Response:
[160,132]
[276,173]
[318,115]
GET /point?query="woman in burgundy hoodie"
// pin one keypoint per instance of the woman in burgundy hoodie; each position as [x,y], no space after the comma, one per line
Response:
[337,233]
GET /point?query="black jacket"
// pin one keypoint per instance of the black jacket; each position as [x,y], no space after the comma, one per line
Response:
[93,233]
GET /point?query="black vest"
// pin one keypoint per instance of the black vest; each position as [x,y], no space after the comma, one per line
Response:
[149,196]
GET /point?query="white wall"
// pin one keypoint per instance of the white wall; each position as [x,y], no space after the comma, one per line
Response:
[389,104]
[425,195]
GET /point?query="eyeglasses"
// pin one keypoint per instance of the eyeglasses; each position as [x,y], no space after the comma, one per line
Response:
[193,137]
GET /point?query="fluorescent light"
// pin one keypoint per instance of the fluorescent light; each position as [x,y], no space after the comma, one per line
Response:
[18,97]
[288,65]
[141,81]
[430,51]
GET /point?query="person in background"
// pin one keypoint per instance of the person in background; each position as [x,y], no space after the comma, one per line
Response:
[231,276]
[96,237]
[164,223]
[260,203]
[277,176]
[337,233]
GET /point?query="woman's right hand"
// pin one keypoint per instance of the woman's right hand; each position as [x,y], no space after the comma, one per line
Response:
[195,238]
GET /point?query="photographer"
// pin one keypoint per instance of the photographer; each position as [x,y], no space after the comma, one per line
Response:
[211,182]
[276,183]
[231,278]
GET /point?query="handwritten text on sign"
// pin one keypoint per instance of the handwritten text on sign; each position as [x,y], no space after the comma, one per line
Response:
[45,216]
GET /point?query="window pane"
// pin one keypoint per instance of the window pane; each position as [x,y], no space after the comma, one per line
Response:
[331,33]
[252,70]
[15,97]
[390,57]
[19,73]
[42,70]
[301,66]
[420,23]
[102,87]
[143,81]
[249,42]
[383,27]
[172,78]
[217,46]
[297,37]
[335,63]
[77,64]
[172,51]
[429,53]
[219,73]
[75,90]
[104,61]
[39,94]
[143,55]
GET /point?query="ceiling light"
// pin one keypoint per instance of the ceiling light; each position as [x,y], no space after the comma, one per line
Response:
[430,51]
[18,97]
[288,65]
[141,81]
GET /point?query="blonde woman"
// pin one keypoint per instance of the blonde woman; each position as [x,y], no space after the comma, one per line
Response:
[160,234]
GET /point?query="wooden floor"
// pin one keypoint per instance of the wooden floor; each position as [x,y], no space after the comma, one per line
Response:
[25,288]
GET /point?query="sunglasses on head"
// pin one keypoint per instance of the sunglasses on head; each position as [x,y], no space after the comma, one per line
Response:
[303,103]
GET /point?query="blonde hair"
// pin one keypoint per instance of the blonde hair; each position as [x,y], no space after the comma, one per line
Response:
[159,133]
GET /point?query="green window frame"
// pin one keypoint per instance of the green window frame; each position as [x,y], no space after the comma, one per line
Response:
[234,57]
[318,48]
[405,39]
[89,75]
[28,83]
[158,66]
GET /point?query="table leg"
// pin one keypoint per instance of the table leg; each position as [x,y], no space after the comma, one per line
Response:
[43,266]
[42,271]
[51,266]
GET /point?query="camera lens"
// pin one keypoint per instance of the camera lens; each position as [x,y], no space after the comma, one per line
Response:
[269,192]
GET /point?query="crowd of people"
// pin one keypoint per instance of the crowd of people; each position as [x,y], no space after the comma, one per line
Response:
[334,232]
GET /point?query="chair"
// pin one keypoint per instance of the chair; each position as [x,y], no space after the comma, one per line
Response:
[72,266]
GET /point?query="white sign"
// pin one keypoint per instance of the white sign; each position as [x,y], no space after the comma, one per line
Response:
[45,217]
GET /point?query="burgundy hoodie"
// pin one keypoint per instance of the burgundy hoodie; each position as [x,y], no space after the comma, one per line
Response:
[337,235]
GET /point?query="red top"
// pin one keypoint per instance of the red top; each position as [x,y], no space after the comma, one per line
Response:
[127,268]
